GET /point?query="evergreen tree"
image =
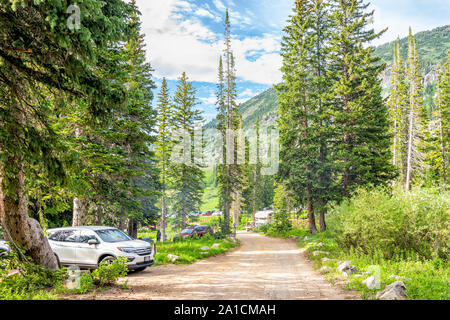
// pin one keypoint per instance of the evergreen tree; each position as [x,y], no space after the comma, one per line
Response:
[137,124]
[304,109]
[187,176]
[415,115]
[398,104]
[38,66]
[439,157]
[230,172]
[163,148]
[361,119]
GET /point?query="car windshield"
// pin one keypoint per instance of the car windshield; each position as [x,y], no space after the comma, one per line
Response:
[112,235]
[187,231]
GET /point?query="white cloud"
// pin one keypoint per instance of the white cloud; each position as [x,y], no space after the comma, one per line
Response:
[219,5]
[177,44]
[204,13]
[212,99]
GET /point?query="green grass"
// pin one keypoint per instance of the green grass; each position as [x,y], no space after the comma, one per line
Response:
[424,279]
[210,201]
[189,251]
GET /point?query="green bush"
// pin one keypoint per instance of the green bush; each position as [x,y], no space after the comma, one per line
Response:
[86,284]
[108,273]
[398,224]
[25,281]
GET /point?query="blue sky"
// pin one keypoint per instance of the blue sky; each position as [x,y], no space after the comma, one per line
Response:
[187,35]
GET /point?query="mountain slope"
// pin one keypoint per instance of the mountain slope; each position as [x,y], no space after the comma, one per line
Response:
[433,49]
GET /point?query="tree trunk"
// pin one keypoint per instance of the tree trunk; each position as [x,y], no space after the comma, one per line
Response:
[80,212]
[122,225]
[183,214]
[410,143]
[99,215]
[311,216]
[132,228]
[323,225]
[163,217]
[19,227]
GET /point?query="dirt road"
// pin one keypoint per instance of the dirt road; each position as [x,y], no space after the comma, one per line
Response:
[262,268]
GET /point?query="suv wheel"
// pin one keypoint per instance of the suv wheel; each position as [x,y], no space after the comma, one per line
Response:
[108,259]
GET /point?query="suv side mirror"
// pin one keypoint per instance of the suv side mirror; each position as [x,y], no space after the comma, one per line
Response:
[93,242]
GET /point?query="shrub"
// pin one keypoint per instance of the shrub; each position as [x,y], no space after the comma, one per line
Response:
[86,284]
[397,224]
[108,273]
[26,281]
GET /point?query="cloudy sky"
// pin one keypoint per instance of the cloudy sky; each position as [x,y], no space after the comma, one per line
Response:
[187,35]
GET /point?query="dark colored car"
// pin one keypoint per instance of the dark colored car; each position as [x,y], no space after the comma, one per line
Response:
[202,230]
[186,233]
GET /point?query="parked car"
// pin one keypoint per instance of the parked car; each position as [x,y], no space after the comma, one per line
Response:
[202,230]
[217,214]
[207,214]
[87,247]
[189,232]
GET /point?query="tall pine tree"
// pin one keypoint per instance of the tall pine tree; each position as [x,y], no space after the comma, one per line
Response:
[415,116]
[163,148]
[188,175]
[361,118]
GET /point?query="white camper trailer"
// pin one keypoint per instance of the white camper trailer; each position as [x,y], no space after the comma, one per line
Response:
[263,218]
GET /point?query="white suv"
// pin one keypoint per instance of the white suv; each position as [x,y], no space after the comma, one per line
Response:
[87,247]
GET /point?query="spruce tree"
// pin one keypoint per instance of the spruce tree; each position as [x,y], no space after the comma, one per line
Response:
[163,146]
[361,118]
[398,104]
[187,176]
[416,123]
[230,173]
[440,147]
[303,108]
[38,66]
[136,124]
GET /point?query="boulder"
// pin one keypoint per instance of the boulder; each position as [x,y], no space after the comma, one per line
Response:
[394,291]
[205,248]
[372,283]
[318,253]
[347,268]
[324,260]
[173,257]
[215,245]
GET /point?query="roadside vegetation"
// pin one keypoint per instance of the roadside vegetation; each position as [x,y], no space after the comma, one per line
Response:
[189,251]
[404,235]
[22,280]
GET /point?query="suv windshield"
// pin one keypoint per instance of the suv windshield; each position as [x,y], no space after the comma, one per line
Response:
[112,235]
[187,231]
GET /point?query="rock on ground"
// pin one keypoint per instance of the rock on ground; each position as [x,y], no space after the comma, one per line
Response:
[372,283]
[205,248]
[326,269]
[347,268]
[394,291]
[173,257]
[317,253]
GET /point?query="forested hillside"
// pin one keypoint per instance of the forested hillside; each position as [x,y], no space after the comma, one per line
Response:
[433,47]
